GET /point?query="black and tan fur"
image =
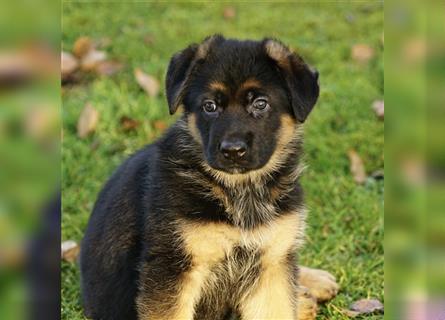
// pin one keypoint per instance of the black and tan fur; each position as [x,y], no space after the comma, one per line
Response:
[182,231]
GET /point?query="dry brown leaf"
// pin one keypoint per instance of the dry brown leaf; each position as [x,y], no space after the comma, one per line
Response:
[357,167]
[82,47]
[160,125]
[147,82]
[229,13]
[108,68]
[367,306]
[87,121]
[414,171]
[415,50]
[379,108]
[92,60]
[362,53]
[39,120]
[69,64]
[70,251]
[129,124]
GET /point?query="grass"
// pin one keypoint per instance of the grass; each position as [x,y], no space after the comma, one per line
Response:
[345,224]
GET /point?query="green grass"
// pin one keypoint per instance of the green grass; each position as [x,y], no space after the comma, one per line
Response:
[345,224]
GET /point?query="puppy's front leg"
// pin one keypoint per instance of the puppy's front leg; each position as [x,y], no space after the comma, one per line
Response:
[274,296]
[166,293]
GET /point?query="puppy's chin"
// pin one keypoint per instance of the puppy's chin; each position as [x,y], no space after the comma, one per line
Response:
[229,169]
[233,168]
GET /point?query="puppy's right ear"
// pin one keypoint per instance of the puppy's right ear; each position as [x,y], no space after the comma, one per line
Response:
[177,73]
[181,66]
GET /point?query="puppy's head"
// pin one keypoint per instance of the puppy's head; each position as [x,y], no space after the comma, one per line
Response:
[243,99]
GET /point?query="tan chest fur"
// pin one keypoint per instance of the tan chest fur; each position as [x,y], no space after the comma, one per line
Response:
[210,242]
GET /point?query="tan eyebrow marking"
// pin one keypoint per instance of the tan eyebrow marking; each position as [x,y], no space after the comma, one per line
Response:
[218,86]
[250,83]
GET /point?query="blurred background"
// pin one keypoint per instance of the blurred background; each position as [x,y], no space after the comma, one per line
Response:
[415,160]
[29,160]
[113,103]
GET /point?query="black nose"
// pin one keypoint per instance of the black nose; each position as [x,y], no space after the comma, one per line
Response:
[233,150]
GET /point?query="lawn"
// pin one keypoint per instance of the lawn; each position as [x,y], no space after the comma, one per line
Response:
[345,223]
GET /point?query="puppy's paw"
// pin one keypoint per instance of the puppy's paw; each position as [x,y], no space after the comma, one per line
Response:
[306,305]
[321,284]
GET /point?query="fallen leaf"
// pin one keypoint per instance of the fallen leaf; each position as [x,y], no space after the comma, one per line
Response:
[414,171]
[69,64]
[160,125]
[87,121]
[42,57]
[129,124]
[70,250]
[367,306]
[108,68]
[362,53]
[16,69]
[92,60]
[379,108]
[229,13]
[39,120]
[356,167]
[147,82]
[415,50]
[82,47]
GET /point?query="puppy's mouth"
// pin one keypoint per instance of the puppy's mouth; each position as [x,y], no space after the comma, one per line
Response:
[230,167]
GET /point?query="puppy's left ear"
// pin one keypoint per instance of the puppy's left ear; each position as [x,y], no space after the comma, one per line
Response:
[301,79]
[181,66]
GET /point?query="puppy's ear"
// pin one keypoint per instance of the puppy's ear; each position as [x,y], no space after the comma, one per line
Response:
[181,67]
[302,80]
[177,73]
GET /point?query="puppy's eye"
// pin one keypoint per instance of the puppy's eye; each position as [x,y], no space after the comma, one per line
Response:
[260,104]
[209,106]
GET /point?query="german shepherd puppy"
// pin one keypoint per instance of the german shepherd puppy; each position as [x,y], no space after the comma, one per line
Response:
[206,222]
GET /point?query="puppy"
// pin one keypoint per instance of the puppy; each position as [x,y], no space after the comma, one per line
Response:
[206,222]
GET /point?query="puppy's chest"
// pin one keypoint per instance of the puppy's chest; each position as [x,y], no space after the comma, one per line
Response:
[210,243]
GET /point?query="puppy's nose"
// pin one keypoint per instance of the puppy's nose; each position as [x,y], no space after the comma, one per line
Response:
[233,150]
